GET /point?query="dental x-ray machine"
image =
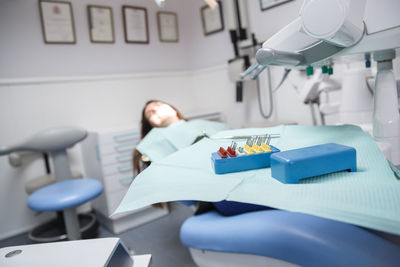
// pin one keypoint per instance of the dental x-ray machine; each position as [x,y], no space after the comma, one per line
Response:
[331,28]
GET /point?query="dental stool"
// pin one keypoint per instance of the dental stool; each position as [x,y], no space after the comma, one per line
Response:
[282,238]
[66,193]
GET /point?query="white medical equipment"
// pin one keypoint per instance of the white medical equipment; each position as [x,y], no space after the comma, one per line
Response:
[107,156]
[356,105]
[356,102]
[330,28]
[316,91]
[109,252]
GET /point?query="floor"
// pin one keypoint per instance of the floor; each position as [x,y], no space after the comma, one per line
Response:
[159,238]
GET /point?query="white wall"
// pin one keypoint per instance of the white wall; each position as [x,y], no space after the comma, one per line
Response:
[266,23]
[24,54]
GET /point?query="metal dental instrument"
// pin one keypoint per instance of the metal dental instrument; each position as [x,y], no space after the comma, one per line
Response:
[246,136]
[252,141]
[234,145]
[258,140]
[249,142]
[261,139]
[255,140]
[269,139]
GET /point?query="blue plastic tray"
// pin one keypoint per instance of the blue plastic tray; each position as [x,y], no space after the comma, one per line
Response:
[241,163]
[293,165]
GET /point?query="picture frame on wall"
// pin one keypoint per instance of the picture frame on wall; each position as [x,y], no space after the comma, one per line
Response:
[136,26]
[101,24]
[57,22]
[267,4]
[168,26]
[212,19]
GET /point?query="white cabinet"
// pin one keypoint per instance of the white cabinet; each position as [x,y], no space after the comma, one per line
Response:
[107,156]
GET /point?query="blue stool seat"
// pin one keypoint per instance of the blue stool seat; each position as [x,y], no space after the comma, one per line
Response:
[65,194]
[297,238]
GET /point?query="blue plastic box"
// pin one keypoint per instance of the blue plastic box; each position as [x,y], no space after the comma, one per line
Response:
[241,163]
[291,166]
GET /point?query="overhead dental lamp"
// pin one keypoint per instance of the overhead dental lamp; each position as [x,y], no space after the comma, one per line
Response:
[331,28]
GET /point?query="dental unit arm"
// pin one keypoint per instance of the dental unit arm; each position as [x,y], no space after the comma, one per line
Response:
[329,28]
[316,91]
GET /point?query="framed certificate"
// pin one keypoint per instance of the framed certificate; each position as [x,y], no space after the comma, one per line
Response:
[101,25]
[212,19]
[57,22]
[168,26]
[136,27]
[267,4]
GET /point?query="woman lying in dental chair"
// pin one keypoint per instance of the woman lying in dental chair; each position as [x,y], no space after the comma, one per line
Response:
[157,114]
[263,237]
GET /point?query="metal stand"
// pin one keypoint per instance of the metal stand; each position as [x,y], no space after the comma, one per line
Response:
[55,230]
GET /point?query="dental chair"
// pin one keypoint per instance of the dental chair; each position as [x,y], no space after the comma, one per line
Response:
[65,194]
[281,238]
[324,29]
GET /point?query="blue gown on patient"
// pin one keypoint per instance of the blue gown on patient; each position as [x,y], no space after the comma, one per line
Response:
[161,142]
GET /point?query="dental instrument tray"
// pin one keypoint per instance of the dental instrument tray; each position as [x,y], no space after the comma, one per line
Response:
[290,166]
[231,160]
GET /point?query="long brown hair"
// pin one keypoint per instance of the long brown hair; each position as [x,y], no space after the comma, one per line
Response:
[145,129]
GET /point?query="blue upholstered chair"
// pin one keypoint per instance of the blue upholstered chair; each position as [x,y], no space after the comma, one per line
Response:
[65,194]
[281,238]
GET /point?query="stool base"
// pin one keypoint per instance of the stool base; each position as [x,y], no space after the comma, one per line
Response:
[55,230]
